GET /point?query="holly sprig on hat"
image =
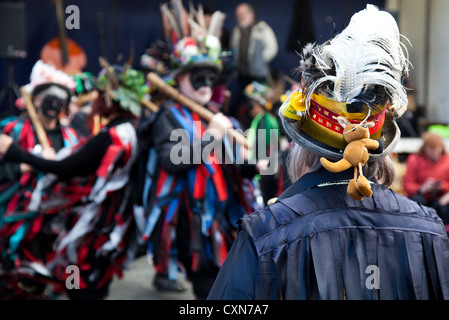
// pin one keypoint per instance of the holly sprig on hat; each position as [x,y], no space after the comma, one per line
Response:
[128,88]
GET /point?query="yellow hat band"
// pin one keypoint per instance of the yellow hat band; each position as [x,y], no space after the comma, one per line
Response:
[320,121]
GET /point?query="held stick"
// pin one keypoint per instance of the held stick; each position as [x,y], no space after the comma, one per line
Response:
[37,124]
[150,105]
[193,106]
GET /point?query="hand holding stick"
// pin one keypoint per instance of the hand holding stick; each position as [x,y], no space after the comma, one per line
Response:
[193,106]
[37,124]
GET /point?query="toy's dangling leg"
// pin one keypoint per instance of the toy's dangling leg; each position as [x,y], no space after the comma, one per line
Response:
[363,185]
[335,167]
[352,188]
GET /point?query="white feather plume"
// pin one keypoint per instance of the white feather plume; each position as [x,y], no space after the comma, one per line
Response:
[367,53]
[216,24]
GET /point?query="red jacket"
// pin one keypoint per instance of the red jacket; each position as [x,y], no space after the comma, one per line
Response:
[420,168]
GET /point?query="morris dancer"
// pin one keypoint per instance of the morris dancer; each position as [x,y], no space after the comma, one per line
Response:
[99,233]
[193,204]
[23,233]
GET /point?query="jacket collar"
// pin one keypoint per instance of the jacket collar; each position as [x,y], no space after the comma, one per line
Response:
[312,179]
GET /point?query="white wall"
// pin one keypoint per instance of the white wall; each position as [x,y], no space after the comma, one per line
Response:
[412,24]
[433,95]
[438,97]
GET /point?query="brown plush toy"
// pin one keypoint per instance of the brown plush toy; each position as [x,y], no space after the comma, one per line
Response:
[355,155]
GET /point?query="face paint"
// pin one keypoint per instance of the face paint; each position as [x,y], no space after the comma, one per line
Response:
[202,78]
[51,101]
[51,106]
[202,94]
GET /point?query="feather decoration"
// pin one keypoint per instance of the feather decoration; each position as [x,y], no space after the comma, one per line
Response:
[363,65]
[112,81]
[185,17]
[201,20]
[188,33]
[192,11]
[181,17]
[196,31]
[307,55]
[216,24]
[169,23]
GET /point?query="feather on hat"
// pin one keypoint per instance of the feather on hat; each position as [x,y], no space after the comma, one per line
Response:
[366,56]
[357,75]
[193,43]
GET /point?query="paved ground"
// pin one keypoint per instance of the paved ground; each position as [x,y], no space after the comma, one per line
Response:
[137,284]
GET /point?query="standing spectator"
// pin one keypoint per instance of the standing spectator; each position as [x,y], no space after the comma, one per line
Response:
[254,45]
[427,176]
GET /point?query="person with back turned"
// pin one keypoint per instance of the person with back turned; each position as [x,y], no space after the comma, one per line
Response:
[339,232]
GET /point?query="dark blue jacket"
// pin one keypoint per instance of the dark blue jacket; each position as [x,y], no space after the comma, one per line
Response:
[316,242]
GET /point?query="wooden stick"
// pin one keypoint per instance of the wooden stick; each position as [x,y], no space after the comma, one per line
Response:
[37,124]
[193,106]
[96,125]
[150,105]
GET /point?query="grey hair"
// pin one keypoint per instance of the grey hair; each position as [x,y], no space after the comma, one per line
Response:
[301,161]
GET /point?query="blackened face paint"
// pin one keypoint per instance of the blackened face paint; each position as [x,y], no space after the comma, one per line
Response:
[51,101]
[51,106]
[202,78]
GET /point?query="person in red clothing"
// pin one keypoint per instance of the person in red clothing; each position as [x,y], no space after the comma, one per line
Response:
[426,178]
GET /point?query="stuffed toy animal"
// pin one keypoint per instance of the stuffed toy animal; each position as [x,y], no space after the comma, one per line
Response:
[355,155]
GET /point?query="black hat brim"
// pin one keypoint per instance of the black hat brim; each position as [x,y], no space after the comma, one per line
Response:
[389,139]
[196,65]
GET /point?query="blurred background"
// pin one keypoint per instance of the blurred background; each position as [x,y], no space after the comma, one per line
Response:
[107,27]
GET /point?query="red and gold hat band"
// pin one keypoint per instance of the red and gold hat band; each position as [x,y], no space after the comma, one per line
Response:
[320,120]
